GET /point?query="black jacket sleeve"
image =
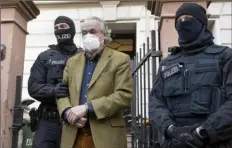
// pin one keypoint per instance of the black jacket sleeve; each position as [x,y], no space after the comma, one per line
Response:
[219,124]
[158,111]
[37,87]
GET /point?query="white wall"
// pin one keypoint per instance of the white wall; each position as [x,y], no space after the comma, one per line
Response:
[222,14]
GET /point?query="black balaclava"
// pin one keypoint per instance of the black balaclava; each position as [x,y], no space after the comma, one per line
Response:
[65,36]
[193,33]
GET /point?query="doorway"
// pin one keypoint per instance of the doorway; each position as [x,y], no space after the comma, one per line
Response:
[123,38]
[124,43]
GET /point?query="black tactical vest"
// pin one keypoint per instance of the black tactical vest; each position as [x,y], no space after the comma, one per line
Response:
[193,84]
[55,65]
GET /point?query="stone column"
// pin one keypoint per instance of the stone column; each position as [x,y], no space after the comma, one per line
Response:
[166,10]
[14,17]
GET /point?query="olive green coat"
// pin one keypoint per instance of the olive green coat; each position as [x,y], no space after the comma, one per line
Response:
[110,90]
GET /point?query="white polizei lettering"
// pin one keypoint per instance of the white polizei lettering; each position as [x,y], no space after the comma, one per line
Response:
[171,72]
[58,37]
[64,36]
[163,68]
[58,62]
[67,36]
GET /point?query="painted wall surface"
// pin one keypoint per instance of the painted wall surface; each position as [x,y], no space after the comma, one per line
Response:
[221,13]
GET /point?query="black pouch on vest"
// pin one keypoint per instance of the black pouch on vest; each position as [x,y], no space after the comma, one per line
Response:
[205,97]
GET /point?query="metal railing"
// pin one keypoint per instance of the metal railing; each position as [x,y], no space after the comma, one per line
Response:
[17,112]
[143,134]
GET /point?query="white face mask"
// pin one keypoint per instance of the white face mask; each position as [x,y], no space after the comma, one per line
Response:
[91,43]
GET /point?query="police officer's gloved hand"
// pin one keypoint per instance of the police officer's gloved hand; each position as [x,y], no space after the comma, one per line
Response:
[60,90]
[174,134]
[176,131]
[196,139]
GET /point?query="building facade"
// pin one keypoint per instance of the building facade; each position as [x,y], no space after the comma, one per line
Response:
[221,18]
[129,22]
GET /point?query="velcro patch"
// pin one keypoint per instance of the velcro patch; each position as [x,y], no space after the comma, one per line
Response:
[171,71]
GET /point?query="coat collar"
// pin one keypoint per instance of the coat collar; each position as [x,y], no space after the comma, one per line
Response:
[103,61]
[80,61]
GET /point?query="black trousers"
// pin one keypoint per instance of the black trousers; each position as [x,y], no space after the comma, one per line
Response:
[48,134]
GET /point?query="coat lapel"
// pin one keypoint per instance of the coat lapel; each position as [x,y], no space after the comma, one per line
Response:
[79,70]
[103,61]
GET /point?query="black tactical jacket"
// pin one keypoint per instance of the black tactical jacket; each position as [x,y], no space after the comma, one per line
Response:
[195,87]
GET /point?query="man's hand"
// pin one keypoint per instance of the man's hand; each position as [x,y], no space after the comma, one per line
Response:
[74,114]
[60,90]
[81,122]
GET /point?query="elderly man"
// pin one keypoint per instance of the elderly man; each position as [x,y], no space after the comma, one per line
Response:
[191,101]
[100,85]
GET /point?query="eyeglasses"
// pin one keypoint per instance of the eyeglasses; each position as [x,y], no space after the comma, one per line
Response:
[61,26]
[184,18]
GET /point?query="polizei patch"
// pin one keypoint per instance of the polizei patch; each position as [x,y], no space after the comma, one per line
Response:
[169,72]
[56,62]
[64,36]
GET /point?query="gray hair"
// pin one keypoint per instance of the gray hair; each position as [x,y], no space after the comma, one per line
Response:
[103,27]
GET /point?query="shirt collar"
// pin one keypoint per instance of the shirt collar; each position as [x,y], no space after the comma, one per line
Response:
[97,57]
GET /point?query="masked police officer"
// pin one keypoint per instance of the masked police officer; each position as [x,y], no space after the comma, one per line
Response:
[45,83]
[191,100]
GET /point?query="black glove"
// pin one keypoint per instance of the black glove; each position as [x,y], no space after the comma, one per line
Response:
[193,140]
[174,134]
[60,90]
[174,143]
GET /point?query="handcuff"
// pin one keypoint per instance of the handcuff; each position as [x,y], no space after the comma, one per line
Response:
[202,132]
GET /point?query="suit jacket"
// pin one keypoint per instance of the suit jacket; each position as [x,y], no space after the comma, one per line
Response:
[110,90]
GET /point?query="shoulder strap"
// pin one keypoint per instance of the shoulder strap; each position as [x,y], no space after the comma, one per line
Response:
[214,49]
[173,56]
